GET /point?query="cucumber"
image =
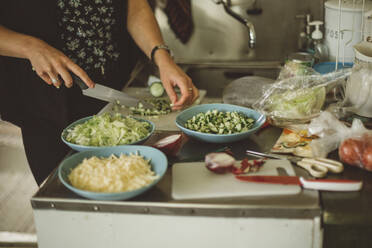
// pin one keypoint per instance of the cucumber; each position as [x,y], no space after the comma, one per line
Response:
[219,122]
[157,89]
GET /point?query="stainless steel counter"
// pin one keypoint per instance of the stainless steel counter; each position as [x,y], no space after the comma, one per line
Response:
[64,219]
[53,195]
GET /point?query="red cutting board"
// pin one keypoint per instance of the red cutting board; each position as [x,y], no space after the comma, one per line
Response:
[195,181]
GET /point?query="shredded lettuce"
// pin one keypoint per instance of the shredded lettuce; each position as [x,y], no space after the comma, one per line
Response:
[108,130]
[297,103]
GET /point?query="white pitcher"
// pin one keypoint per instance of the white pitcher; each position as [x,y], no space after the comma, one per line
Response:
[359,85]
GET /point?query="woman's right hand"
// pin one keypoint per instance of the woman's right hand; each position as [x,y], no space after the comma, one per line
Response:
[49,63]
[53,66]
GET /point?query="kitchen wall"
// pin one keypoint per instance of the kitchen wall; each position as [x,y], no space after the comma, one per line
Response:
[219,37]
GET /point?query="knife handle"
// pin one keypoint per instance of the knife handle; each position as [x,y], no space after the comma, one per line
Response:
[331,184]
[79,82]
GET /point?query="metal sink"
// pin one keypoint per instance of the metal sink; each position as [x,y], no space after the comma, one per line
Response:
[214,77]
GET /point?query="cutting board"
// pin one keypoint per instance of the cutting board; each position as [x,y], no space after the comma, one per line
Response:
[162,122]
[195,181]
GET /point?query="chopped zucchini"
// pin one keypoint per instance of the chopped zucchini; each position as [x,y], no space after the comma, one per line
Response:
[219,122]
[157,89]
[161,107]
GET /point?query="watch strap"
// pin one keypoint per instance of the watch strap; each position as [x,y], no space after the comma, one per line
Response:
[161,46]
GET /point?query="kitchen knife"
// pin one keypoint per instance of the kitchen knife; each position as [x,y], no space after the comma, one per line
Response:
[316,184]
[108,94]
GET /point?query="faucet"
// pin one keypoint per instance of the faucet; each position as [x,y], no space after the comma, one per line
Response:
[252,33]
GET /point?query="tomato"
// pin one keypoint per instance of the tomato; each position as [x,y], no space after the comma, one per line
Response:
[351,151]
[367,158]
[367,138]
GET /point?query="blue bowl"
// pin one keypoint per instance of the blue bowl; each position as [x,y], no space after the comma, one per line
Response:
[219,138]
[158,162]
[82,148]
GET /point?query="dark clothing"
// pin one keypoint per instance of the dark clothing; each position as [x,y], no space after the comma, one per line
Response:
[180,18]
[90,31]
[41,110]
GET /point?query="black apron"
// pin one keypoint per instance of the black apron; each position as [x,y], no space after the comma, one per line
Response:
[41,110]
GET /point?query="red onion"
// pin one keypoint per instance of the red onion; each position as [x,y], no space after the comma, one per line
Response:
[219,162]
[170,145]
[247,167]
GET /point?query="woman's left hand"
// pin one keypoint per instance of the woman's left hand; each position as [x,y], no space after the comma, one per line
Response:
[172,76]
[142,26]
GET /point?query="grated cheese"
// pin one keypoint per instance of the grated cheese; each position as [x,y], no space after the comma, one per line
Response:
[112,174]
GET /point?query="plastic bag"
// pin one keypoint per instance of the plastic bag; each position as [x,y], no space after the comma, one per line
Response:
[354,144]
[297,100]
[293,69]
[245,91]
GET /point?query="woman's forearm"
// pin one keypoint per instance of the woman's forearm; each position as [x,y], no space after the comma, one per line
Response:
[144,29]
[48,62]
[14,44]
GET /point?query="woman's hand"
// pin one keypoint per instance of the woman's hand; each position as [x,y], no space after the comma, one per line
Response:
[172,76]
[142,25]
[49,63]
[53,66]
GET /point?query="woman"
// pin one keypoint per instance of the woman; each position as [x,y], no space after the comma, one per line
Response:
[43,42]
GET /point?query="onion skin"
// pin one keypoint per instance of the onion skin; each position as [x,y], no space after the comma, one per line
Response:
[219,162]
[351,151]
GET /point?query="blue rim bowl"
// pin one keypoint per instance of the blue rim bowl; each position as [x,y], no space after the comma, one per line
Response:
[82,148]
[159,164]
[185,115]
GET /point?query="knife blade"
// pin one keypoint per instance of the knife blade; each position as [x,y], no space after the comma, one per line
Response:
[108,94]
[316,184]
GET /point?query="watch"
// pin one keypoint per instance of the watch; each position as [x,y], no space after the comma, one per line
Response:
[161,46]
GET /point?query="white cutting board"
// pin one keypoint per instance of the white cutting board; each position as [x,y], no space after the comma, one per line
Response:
[195,181]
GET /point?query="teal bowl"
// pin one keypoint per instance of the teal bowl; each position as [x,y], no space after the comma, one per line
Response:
[219,138]
[158,162]
[82,148]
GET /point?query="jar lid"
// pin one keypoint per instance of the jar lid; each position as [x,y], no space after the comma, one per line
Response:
[301,58]
[348,5]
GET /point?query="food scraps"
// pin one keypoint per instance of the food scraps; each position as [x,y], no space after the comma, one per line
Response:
[295,142]
[222,162]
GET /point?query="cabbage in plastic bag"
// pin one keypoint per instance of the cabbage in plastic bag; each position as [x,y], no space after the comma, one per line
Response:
[297,99]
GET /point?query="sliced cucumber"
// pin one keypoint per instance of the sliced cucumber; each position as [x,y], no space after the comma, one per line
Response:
[219,122]
[157,89]
[161,107]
